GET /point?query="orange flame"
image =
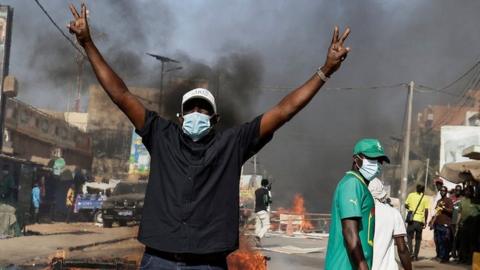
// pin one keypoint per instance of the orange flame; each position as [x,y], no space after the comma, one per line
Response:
[245,258]
[298,208]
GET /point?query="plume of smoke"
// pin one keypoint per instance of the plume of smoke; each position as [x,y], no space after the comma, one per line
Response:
[233,79]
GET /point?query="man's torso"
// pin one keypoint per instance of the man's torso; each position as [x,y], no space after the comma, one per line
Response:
[261,197]
[192,199]
[442,217]
[415,199]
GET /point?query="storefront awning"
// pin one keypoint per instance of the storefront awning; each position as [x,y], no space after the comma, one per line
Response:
[461,171]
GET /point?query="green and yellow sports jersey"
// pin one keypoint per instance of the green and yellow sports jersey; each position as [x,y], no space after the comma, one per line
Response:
[351,199]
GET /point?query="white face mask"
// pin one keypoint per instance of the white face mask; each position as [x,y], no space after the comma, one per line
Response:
[370,168]
[196,125]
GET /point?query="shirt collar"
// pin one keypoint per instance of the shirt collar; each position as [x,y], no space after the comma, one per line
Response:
[358,176]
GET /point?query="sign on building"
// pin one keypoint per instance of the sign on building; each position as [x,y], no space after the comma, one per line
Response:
[455,139]
[139,162]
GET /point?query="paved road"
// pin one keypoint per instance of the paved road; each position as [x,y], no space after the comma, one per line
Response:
[86,241]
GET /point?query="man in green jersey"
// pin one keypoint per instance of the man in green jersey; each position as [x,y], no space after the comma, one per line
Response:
[350,244]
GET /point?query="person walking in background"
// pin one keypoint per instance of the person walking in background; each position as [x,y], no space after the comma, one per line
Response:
[390,231]
[456,199]
[440,223]
[263,200]
[36,200]
[70,201]
[350,241]
[417,206]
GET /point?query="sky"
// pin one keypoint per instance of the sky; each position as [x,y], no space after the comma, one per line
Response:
[263,48]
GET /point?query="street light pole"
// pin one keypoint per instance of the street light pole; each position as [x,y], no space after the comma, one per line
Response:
[406,148]
[164,60]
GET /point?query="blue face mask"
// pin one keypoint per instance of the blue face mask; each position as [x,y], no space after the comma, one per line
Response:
[196,125]
[370,169]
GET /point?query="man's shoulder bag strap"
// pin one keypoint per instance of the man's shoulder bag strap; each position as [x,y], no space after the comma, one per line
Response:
[418,204]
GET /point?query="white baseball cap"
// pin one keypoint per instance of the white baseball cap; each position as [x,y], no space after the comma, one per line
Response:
[201,93]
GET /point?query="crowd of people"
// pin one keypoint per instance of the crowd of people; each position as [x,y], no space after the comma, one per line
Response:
[360,201]
[455,222]
[455,215]
[44,190]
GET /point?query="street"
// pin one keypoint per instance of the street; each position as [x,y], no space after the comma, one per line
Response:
[85,241]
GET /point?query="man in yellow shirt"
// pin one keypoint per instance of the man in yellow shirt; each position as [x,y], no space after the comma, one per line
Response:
[418,204]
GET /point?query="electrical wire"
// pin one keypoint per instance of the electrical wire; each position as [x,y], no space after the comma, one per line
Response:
[375,87]
[59,29]
[472,81]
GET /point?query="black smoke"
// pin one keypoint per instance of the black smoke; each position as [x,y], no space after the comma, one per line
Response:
[240,45]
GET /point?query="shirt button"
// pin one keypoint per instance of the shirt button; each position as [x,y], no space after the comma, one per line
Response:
[189,178]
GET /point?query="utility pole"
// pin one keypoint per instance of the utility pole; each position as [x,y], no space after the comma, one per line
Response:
[426,172]
[80,59]
[406,148]
[254,178]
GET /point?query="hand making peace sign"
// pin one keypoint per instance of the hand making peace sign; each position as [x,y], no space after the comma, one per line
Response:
[337,52]
[79,26]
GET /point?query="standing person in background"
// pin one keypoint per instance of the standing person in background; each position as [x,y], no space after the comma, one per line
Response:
[70,201]
[440,223]
[350,241]
[418,205]
[456,194]
[42,188]
[36,200]
[79,180]
[456,199]
[56,165]
[263,200]
[466,226]
[389,232]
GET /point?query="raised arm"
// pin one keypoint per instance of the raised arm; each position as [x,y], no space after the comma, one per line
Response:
[110,81]
[290,105]
[352,242]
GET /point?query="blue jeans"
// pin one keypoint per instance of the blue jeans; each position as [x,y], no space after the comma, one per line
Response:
[152,262]
[443,240]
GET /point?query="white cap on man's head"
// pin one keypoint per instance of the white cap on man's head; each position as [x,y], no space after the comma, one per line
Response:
[376,188]
[201,93]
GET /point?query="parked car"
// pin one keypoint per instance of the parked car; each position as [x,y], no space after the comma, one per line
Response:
[125,204]
[89,204]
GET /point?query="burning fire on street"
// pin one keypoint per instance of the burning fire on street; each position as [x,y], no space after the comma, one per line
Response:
[295,217]
[246,258]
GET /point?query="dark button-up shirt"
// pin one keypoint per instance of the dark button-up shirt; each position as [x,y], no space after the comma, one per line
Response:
[192,198]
